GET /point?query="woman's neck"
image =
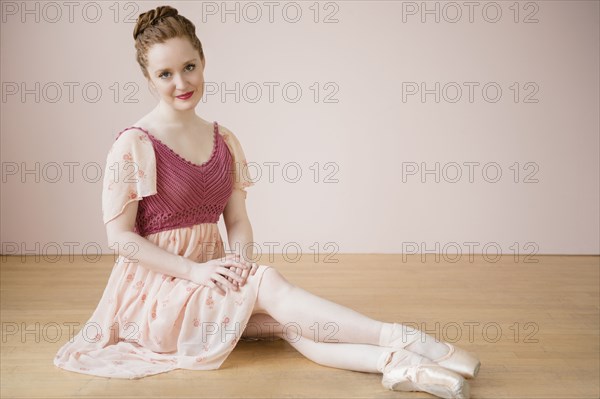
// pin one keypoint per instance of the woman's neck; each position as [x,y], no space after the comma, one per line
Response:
[173,118]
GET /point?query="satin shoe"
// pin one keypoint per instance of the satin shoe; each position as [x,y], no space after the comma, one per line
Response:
[459,361]
[407,371]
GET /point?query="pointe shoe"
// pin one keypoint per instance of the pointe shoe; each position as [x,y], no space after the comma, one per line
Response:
[407,371]
[459,361]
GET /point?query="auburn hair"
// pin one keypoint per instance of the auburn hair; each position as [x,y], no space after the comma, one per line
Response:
[159,25]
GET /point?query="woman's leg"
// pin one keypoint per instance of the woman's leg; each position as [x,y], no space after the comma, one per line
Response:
[311,316]
[402,370]
[356,357]
[263,326]
[320,320]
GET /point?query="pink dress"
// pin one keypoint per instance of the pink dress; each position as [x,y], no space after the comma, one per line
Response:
[147,322]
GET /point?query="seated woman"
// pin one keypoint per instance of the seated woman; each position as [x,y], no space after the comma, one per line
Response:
[174,299]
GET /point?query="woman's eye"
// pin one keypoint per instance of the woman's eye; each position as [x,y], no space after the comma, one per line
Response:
[189,67]
[193,66]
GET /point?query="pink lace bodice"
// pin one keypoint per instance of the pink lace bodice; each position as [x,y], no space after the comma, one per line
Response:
[187,193]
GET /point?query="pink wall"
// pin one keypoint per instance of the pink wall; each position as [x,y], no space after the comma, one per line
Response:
[357,117]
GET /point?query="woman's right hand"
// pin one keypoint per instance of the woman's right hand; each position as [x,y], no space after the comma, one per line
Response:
[216,273]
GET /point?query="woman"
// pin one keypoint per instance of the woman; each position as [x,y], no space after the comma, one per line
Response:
[174,299]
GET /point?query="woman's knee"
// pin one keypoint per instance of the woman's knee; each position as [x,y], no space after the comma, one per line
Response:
[272,287]
[275,281]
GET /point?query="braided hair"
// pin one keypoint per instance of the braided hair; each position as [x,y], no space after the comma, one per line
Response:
[159,25]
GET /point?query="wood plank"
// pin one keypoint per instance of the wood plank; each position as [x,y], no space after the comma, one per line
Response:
[535,326]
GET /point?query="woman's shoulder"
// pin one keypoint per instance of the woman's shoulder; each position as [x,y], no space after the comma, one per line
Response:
[139,129]
[140,126]
[130,138]
[226,133]
[132,145]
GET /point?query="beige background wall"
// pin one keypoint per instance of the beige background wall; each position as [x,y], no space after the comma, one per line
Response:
[356,63]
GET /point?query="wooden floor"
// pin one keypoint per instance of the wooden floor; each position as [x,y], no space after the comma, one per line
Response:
[535,327]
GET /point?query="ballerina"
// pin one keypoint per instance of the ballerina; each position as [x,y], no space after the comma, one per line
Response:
[174,298]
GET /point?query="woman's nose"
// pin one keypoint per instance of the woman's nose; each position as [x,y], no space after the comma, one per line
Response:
[180,83]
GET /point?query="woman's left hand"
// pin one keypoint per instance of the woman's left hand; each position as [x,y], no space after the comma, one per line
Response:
[244,273]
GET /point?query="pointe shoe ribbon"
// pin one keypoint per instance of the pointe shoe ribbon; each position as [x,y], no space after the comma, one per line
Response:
[403,335]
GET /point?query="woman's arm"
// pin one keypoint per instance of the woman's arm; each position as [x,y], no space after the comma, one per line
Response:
[214,274]
[237,223]
[136,248]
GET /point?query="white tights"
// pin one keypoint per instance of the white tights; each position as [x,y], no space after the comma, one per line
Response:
[348,356]
[323,331]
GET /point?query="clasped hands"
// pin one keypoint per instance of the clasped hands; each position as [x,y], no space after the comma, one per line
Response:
[228,272]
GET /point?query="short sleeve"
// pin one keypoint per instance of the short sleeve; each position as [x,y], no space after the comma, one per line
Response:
[130,173]
[241,177]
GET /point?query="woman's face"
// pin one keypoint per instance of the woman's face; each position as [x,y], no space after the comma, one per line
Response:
[175,69]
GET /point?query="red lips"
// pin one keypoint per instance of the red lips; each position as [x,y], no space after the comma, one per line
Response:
[185,96]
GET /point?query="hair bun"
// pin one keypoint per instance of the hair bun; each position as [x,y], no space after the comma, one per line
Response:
[151,17]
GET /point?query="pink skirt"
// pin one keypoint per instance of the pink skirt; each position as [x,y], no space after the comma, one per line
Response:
[148,323]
